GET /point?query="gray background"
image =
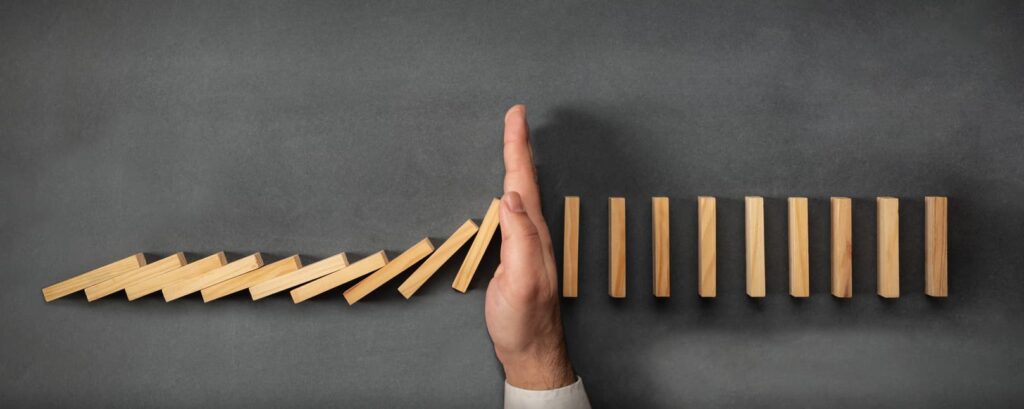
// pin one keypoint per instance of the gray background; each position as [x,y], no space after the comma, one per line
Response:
[314,128]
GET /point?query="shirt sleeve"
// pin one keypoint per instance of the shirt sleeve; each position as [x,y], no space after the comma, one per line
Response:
[566,397]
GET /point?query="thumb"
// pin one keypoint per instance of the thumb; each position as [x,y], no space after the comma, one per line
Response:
[520,239]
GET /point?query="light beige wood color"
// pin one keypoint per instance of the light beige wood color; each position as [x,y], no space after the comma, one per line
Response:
[660,243]
[799,259]
[119,282]
[157,282]
[888,247]
[183,287]
[247,280]
[95,276]
[414,254]
[707,247]
[571,247]
[436,260]
[842,247]
[617,247]
[476,250]
[331,281]
[299,277]
[755,245]
[935,267]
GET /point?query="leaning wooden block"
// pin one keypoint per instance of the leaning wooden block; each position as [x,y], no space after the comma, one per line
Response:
[300,276]
[157,282]
[98,275]
[617,247]
[707,262]
[405,260]
[436,260]
[755,246]
[935,267]
[842,247]
[571,247]
[247,280]
[888,247]
[660,244]
[337,278]
[233,269]
[477,249]
[799,260]
[119,282]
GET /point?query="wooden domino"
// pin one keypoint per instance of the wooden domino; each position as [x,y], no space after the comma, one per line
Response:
[617,247]
[888,247]
[436,260]
[299,277]
[333,280]
[707,247]
[935,266]
[571,247]
[247,280]
[186,286]
[414,254]
[95,276]
[799,259]
[755,246]
[842,247]
[477,249]
[120,281]
[660,246]
[157,282]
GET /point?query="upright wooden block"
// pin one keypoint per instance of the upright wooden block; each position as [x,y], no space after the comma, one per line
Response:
[405,260]
[477,249]
[935,267]
[157,282]
[799,260]
[888,247]
[707,247]
[247,280]
[842,247]
[95,276]
[617,247]
[571,247]
[119,282]
[755,245]
[660,243]
[331,281]
[298,277]
[436,260]
[186,286]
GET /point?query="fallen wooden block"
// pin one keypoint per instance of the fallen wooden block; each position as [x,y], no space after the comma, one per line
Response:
[935,266]
[405,260]
[799,259]
[707,262]
[842,247]
[571,247]
[755,246]
[331,281]
[477,249]
[617,247]
[186,286]
[888,247]
[120,281]
[298,277]
[157,282]
[95,276]
[436,260]
[247,280]
[660,243]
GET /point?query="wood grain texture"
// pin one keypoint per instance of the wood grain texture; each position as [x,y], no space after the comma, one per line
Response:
[458,239]
[660,231]
[299,277]
[183,287]
[888,247]
[707,247]
[842,247]
[157,282]
[331,281]
[799,258]
[935,230]
[94,276]
[571,248]
[755,245]
[247,280]
[476,250]
[617,247]
[119,282]
[414,254]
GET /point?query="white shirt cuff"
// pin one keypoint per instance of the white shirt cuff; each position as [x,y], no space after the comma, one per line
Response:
[566,397]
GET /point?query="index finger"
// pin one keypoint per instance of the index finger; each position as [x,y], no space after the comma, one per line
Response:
[520,175]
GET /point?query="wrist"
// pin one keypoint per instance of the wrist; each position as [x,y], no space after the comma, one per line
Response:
[539,370]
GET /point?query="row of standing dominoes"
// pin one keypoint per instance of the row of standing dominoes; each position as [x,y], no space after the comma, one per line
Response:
[799,267]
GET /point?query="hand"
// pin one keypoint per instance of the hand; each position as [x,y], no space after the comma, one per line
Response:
[522,299]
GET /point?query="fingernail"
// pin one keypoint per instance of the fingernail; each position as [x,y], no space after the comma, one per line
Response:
[513,202]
